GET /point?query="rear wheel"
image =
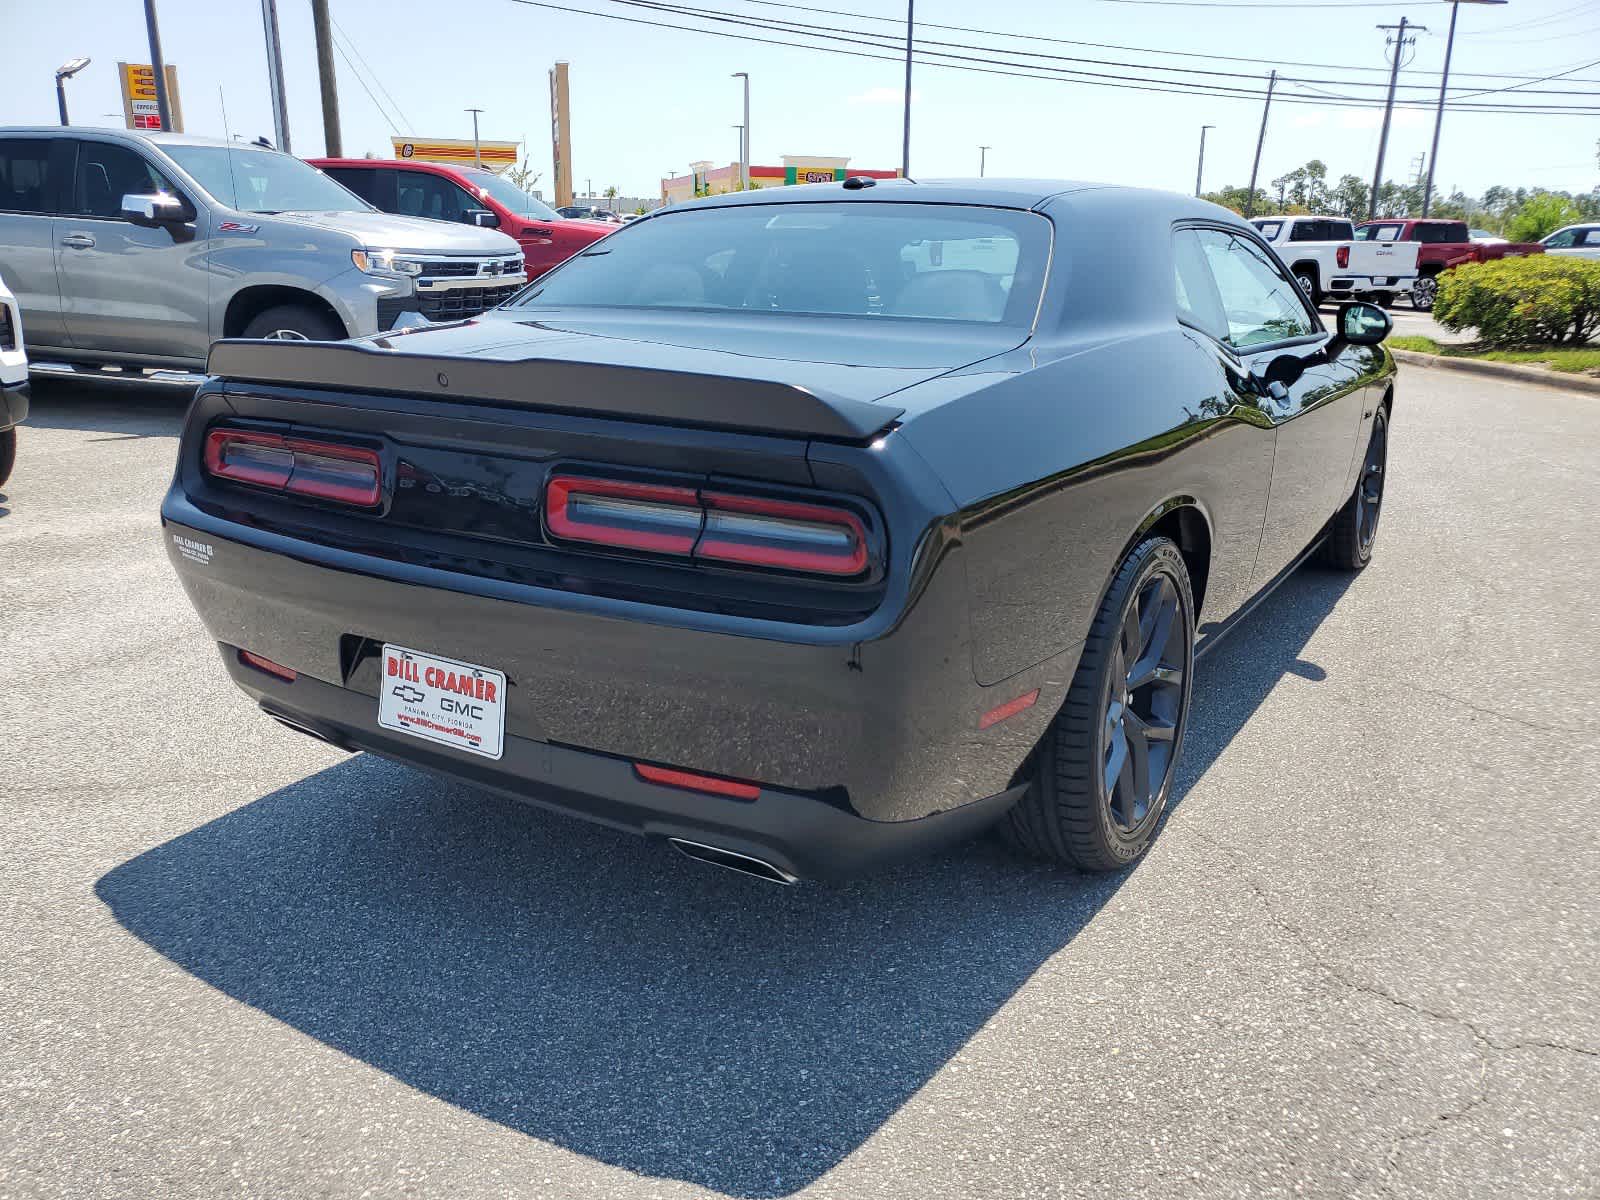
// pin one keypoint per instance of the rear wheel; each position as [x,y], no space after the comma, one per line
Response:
[1423,293]
[1307,279]
[293,323]
[8,453]
[1355,529]
[1103,773]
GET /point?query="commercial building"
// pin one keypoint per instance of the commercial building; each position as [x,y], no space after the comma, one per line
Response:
[707,180]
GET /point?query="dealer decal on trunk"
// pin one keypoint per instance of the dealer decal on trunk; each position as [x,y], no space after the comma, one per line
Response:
[443,701]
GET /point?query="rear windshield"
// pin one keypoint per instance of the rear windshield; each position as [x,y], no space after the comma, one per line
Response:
[1380,233]
[863,259]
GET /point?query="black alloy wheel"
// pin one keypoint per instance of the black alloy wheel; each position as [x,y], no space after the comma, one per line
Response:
[1103,774]
[1355,529]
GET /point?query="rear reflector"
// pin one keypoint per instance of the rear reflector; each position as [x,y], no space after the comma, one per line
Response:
[1009,709]
[297,466]
[668,777]
[287,674]
[818,539]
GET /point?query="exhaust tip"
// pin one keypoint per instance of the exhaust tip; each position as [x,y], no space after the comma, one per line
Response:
[732,860]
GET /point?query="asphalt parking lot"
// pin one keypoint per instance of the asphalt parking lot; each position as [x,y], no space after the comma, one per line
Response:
[1362,960]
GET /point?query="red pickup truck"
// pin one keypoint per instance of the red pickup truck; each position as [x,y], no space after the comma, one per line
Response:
[1441,245]
[472,196]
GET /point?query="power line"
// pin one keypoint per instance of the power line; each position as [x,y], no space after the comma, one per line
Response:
[1008,69]
[376,103]
[1270,3]
[1060,41]
[376,78]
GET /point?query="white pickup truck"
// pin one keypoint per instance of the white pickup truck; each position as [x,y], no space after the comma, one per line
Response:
[1329,263]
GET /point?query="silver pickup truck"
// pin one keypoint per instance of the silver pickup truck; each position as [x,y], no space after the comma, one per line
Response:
[129,253]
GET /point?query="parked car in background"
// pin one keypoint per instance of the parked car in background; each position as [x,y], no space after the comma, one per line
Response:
[13,380]
[467,196]
[1580,241]
[1441,245]
[803,529]
[134,251]
[1329,263]
[590,212]
[1483,235]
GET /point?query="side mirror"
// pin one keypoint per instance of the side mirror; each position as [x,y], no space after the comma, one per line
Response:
[482,218]
[1364,324]
[156,208]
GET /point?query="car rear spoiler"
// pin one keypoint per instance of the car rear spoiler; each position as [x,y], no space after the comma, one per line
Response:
[592,389]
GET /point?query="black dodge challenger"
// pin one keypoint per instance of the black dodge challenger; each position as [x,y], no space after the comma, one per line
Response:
[804,528]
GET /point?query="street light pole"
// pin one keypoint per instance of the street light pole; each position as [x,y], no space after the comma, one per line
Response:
[983,158]
[63,73]
[744,137]
[1200,167]
[1444,82]
[905,145]
[157,64]
[477,154]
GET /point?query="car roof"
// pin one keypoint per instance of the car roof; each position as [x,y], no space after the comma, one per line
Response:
[156,137]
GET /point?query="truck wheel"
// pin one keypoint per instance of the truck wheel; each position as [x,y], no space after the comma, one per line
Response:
[293,323]
[1423,292]
[1308,284]
[8,453]
[1103,773]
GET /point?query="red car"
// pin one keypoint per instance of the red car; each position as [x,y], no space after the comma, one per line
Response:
[472,196]
[1443,244]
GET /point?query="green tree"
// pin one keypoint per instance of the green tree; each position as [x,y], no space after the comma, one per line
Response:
[611,195]
[1349,197]
[1541,213]
[523,175]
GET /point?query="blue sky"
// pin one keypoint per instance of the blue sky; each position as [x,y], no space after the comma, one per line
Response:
[648,100]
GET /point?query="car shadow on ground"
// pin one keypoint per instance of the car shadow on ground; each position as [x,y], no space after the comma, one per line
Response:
[118,411]
[594,991]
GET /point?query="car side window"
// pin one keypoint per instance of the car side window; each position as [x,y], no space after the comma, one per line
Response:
[1260,303]
[359,180]
[106,173]
[25,184]
[1198,303]
[1591,237]
[421,194]
[1563,240]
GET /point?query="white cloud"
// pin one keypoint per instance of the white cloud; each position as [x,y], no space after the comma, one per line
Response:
[884,95]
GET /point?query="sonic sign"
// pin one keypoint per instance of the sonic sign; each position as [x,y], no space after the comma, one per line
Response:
[496,156]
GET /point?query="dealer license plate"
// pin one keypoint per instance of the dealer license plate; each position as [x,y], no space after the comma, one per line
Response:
[443,701]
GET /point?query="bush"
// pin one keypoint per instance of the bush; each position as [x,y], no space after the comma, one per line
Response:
[1521,301]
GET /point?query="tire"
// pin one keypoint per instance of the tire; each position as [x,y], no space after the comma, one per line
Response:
[1355,528]
[1307,279]
[8,453]
[1423,292]
[293,323]
[1068,815]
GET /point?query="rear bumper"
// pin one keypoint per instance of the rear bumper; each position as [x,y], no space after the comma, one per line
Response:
[864,738]
[1366,284]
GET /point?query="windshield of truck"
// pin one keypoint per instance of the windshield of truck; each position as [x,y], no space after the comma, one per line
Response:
[918,261]
[508,194]
[255,180]
[1379,233]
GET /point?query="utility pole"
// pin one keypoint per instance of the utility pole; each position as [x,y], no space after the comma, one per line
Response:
[333,144]
[280,102]
[157,64]
[477,151]
[1444,81]
[1261,139]
[744,137]
[905,145]
[983,158]
[1200,167]
[1400,43]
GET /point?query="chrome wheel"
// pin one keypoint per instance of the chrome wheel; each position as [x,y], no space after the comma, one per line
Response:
[1147,688]
[1423,292]
[1308,285]
[285,335]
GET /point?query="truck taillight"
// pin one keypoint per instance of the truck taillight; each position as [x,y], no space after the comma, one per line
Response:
[295,466]
[1342,257]
[725,527]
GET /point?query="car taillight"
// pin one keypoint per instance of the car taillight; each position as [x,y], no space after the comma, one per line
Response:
[1342,257]
[819,539]
[696,782]
[296,466]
